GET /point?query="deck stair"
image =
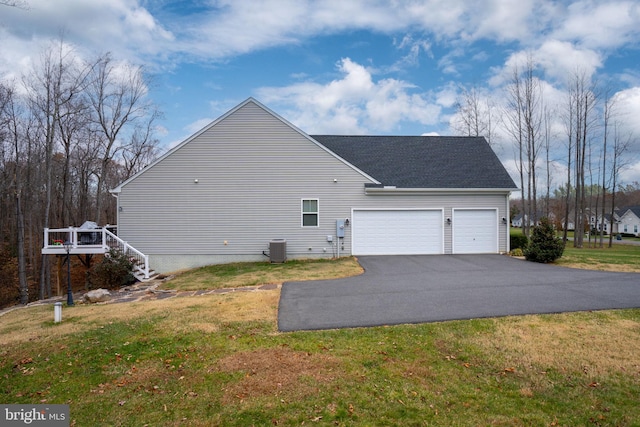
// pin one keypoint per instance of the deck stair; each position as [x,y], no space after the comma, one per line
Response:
[96,241]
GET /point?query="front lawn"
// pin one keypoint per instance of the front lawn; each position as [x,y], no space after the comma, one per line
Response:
[621,257]
[218,360]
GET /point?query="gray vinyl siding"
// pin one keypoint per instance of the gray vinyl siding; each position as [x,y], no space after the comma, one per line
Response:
[252,171]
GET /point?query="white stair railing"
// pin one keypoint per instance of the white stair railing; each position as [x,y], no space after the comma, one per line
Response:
[140,261]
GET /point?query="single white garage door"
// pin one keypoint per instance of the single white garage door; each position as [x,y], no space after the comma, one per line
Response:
[397,232]
[475,231]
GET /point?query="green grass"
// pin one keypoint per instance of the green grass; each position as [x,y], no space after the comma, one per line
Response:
[137,373]
[257,273]
[218,360]
[620,257]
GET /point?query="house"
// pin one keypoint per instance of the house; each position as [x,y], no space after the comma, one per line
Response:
[520,219]
[596,221]
[251,179]
[517,221]
[605,223]
[630,221]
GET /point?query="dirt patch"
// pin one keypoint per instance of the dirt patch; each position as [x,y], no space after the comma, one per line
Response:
[280,372]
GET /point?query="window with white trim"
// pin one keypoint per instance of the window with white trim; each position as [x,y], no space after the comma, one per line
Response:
[310,212]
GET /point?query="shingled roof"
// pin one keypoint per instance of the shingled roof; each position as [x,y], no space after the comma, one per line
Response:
[423,161]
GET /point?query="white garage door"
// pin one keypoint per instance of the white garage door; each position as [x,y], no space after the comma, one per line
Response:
[475,231]
[397,232]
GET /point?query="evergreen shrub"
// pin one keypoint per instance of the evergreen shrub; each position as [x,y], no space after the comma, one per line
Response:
[114,271]
[544,246]
[518,241]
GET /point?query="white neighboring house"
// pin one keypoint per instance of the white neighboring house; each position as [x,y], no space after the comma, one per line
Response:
[630,221]
[519,219]
[608,225]
[596,221]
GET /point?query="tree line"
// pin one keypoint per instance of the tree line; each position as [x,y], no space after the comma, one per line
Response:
[583,133]
[70,129]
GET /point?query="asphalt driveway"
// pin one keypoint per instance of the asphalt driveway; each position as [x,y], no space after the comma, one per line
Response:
[429,288]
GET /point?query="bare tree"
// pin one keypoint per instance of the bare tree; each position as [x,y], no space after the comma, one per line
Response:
[533,109]
[474,114]
[609,104]
[63,143]
[51,87]
[547,143]
[513,122]
[72,127]
[142,149]
[118,99]
[10,113]
[85,165]
[620,145]
[581,103]
[523,118]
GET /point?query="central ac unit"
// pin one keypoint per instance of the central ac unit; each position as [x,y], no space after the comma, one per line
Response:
[278,250]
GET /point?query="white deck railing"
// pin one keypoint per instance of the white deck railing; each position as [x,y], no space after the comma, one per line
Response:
[93,241]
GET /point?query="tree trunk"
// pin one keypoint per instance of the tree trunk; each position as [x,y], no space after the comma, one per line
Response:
[22,266]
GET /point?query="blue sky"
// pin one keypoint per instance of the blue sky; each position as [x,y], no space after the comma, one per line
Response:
[343,66]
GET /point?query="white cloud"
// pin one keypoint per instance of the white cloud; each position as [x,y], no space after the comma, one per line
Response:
[562,37]
[630,174]
[627,104]
[96,26]
[557,60]
[626,114]
[227,28]
[504,19]
[562,59]
[601,24]
[414,48]
[352,104]
[447,96]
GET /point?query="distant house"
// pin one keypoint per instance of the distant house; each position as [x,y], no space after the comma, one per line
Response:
[630,221]
[250,178]
[596,222]
[608,223]
[519,220]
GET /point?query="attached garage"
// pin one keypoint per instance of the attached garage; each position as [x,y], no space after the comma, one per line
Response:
[475,231]
[397,232]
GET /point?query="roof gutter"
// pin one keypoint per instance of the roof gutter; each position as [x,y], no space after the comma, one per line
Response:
[394,191]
